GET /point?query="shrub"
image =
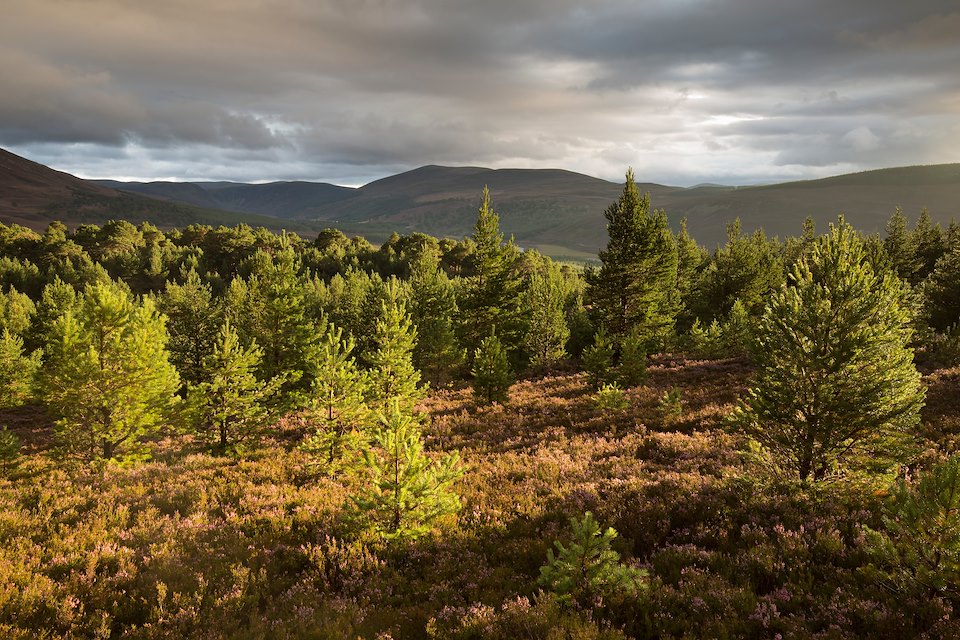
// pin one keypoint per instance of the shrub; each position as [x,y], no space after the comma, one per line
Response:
[598,360]
[588,571]
[922,523]
[611,397]
[491,371]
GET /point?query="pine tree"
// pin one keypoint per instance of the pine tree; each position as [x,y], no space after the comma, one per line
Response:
[747,268]
[635,287]
[338,401]
[193,322]
[929,244]
[16,311]
[491,371]
[230,405]
[588,569]
[433,308]
[941,292]
[922,524]
[836,385]
[404,493]
[392,374]
[598,360]
[57,298]
[900,247]
[107,377]
[493,294]
[632,369]
[547,332]
[17,371]
[275,318]
[691,259]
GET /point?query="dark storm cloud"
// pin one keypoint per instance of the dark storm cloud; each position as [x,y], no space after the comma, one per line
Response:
[348,90]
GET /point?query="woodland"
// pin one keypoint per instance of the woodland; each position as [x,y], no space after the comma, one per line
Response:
[232,433]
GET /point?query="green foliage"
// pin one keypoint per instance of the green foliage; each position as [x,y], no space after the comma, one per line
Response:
[587,573]
[57,298]
[921,536]
[836,384]
[929,243]
[598,360]
[274,316]
[404,494]
[635,287]
[491,371]
[547,332]
[9,449]
[193,322]
[107,377]
[671,404]
[230,405]
[392,375]
[900,247]
[691,260]
[339,389]
[493,295]
[16,311]
[747,268]
[731,337]
[433,308]
[632,369]
[610,397]
[941,292]
[17,371]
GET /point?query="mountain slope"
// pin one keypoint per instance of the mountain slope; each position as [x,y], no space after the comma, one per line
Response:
[557,211]
[33,195]
[277,199]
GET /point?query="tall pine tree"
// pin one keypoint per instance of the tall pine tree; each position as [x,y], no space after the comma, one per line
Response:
[547,332]
[492,299]
[392,374]
[635,287]
[433,308]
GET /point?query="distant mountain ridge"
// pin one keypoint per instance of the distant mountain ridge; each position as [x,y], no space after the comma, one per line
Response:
[557,211]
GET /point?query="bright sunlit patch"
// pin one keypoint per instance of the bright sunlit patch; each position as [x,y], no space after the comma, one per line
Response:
[728,119]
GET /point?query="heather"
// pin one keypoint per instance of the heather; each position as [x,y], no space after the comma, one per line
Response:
[198,545]
[226,433]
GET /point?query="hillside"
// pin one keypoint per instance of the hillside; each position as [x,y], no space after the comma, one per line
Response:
[559,212]
[276,199]
[33,195]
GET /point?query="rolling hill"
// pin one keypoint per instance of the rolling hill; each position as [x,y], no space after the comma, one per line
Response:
[33,195]
[559,212]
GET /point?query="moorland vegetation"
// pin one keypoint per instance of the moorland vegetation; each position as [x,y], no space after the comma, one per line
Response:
[226,432]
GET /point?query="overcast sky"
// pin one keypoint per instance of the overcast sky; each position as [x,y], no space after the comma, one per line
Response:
[346,91]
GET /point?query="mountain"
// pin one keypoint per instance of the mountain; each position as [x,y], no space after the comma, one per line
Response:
[33,195]
[558,212]
[276,199]
[867,199]
[561,212]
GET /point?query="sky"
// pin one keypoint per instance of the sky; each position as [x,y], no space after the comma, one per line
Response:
[348,91]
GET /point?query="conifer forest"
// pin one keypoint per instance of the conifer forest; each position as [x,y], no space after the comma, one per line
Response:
[233,433]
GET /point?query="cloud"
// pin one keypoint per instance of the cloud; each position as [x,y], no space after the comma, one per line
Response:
[685,91]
